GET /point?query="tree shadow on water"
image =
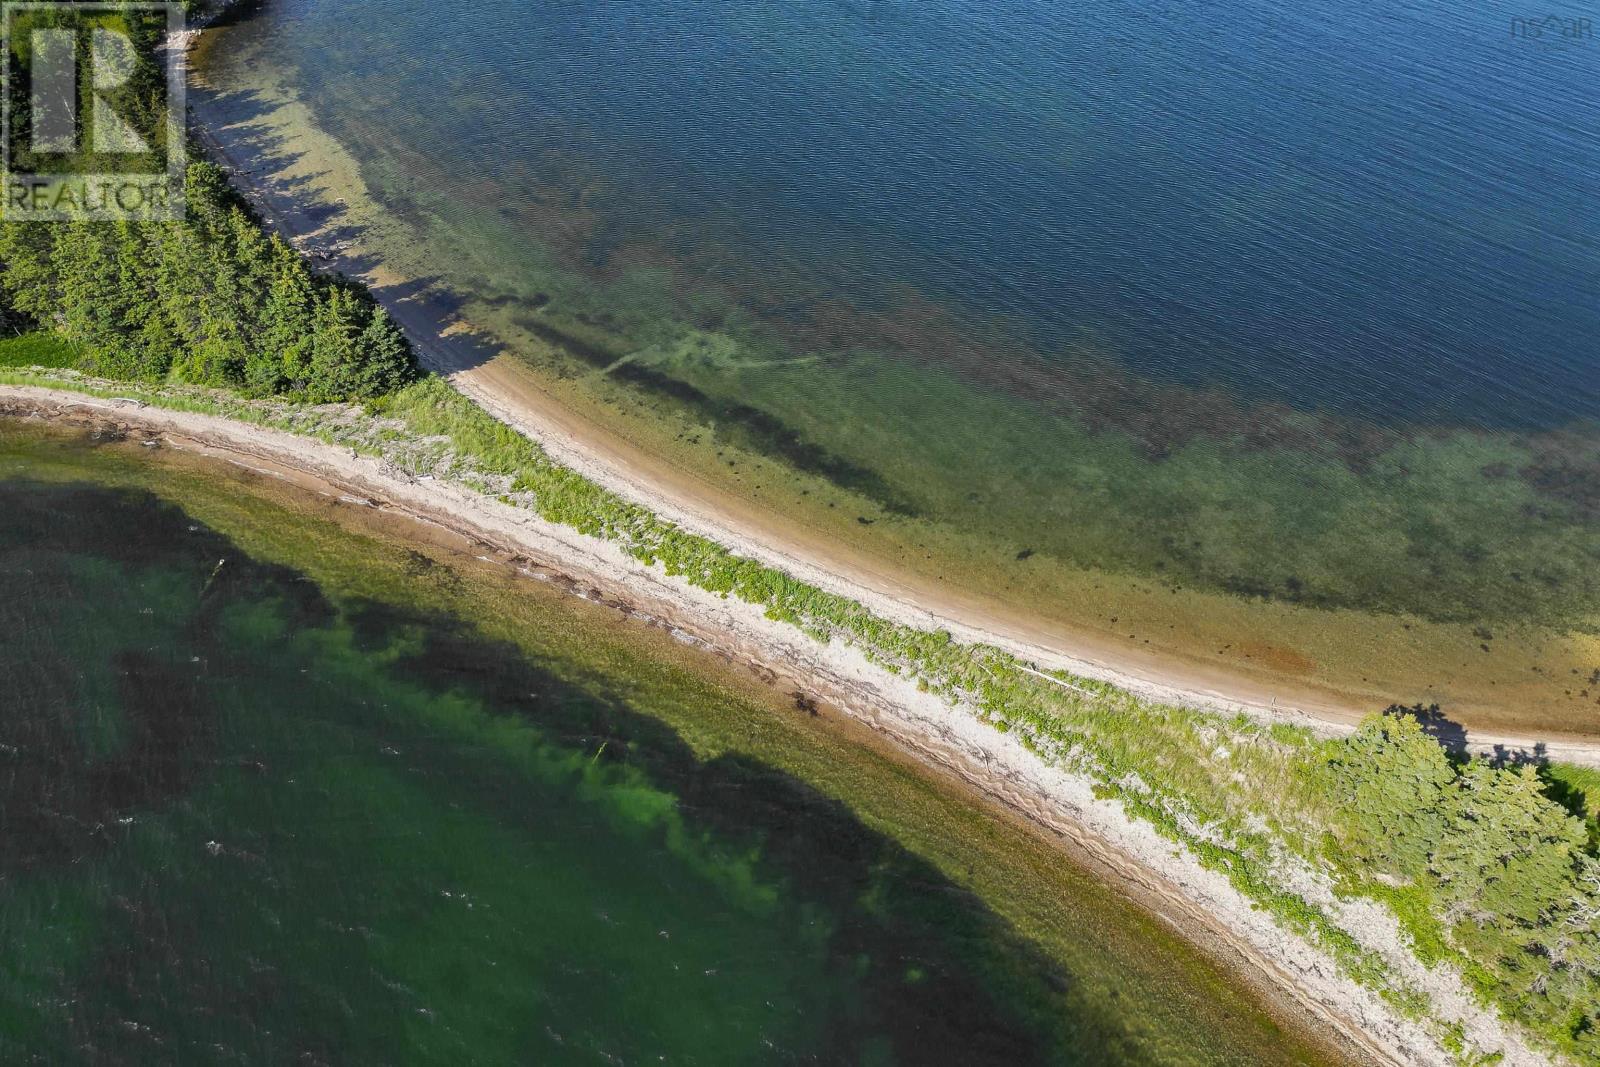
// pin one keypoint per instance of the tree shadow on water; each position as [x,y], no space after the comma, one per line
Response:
[982,992]
[912,962]
[60,794]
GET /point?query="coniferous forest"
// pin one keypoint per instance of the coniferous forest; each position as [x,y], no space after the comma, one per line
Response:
[212,300]
[1489,866]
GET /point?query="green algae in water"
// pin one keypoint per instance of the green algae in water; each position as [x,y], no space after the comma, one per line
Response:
[307,804]
[828,371]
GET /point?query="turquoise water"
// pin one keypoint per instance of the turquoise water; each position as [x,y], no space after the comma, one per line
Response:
[1286,305]
[1382,210]
[329,800]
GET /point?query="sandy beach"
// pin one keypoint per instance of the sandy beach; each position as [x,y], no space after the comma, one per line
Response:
[452,347]
[1300,980]
[1198,902]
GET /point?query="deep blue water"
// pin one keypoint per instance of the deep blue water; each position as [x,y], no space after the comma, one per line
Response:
[1374,206]
[1380,208]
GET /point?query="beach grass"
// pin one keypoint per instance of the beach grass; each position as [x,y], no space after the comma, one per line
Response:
[727,717]
[1330,561]
[1242,796]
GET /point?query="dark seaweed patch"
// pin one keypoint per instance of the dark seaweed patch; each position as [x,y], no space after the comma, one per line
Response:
[1571,479]
[808,841]
[57,801]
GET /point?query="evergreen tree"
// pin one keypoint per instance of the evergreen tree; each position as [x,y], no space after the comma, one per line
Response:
[27,274]
[387,363]
[283,341]
[1388,784]
[1506,871]
[210,300]
[1508,855]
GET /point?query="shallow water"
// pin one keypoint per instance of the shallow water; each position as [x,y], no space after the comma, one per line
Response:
[1215,325]
[271,789]
[1379,212]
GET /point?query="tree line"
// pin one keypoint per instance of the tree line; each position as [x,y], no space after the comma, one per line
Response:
[1480,860]
[211,300]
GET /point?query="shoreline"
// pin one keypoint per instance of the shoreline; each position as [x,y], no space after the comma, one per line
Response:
[891,596]
[448,346]
[1376,1019]
[241,497]
[1138,861]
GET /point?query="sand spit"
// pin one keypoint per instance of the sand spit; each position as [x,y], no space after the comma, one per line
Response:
[1171,882]
[453,348]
